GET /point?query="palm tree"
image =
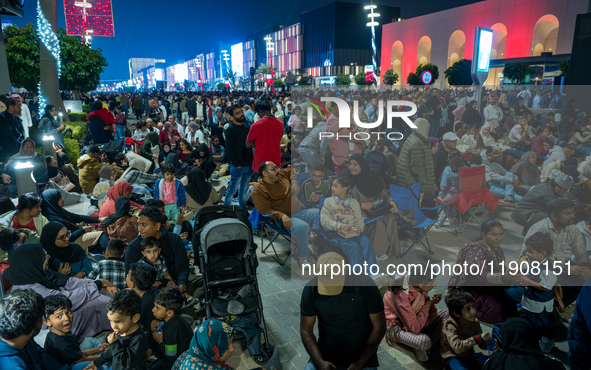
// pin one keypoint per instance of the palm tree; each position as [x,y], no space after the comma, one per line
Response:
[266,69]
[231,76]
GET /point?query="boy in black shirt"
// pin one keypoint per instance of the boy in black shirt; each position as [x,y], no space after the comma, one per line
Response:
[60,342]
[174,336]
[128,344]
[140,278]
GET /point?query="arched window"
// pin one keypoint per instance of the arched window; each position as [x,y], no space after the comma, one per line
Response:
[499,41]
[397,60]
[545,35]
[424,51]
[455,52]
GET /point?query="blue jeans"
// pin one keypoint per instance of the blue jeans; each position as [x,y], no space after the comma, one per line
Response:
[310,366]
[357,249]
[300,228]
[88,343]
[239,179]
[502,189]
[126,108]
[434,127]
[119,131]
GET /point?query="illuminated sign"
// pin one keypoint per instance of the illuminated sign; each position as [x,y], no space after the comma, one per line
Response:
[237,59]
[426,77]
[484,49]
[89,18]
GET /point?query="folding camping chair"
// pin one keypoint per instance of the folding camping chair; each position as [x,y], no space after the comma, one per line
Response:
[408,199]
[473,194]
[268,224]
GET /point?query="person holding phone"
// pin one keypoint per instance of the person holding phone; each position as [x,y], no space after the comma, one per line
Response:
[317,186]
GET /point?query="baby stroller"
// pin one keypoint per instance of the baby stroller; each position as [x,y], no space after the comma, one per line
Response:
[228,262]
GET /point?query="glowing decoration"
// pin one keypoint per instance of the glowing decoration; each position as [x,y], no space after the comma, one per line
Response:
[373,24]
[51,42]
[89,18]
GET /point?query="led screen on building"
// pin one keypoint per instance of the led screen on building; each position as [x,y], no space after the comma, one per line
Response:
[89,18]
[237,60]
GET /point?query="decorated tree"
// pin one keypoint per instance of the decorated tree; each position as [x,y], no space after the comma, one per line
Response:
[390,77]
[415,77]
[459,73]
[516,72]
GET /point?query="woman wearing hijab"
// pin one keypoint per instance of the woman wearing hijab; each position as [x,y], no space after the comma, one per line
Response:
[434,146]
[415,163]
[154,111]
[48,125]
[29,270]
[169,134]
[450,101]
[180,167]
[202,158]
[199,193]
[217,124]
[26,154]
[527,171]
[52,208]
[136,175]
[64,257]
[121,224]
[66,168]
[166,149]
[211,347]
[471,115]
[150,149]
[486,141]
[120,189]
[369,189]
[194,134]
[520,349]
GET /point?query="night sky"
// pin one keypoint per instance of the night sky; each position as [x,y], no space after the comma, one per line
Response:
[180,29]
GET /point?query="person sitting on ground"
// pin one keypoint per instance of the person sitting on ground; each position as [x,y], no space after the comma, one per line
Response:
[560,154]
[194,134]
[487,141]
[450,185]
[276,194]
[151,149]
[151,255]
[411,315]
[527,172]
[26,153]
[202,158]
[541,144]
[169,134]
[218,153]
[29,270]
[128,344]
[181,169]
[10,239]
[121,224]
[28,216]
[461,332]
[136,174]
[501,182]
[52,208]
[174,335]
[468,140]
[22,313]
[113,267]
[520,349]
[447,145]
[351,321]
[100,124]
[533,207]
[120,189]
[140,279]
[67,172]
[185,149]
[60,343]
[89,166]
[64,257]
[198,192]
[317,186]
[166,149]
[139,136]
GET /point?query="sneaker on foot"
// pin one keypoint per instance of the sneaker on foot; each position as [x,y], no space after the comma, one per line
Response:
[509,199]
[306,260]
[382,257]
[215,176]
[421,355]
[546,344]
[189,302]
[381,280]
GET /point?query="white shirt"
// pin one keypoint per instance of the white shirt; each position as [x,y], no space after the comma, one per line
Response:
[200,109]
[547,280]
[493,114]
[27,121]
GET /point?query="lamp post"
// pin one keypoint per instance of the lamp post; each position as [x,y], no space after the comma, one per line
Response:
[373,25]
[270,49]
[48,145]
[25,181]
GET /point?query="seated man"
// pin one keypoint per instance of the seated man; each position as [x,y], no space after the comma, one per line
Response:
[89,166]
[219,157]
[568,246]
[585,229]
[347,339]
[22,312]
[276,194]
[533,207]
[501,182]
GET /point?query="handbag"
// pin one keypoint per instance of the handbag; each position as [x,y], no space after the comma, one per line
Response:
[381,210]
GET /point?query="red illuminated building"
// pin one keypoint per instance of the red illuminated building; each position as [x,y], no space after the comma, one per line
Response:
[523,30]
[89,17]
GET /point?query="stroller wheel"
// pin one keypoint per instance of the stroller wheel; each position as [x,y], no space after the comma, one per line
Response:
[263,358]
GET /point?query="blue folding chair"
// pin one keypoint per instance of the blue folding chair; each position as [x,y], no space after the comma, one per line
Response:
[266,224]
[408,199]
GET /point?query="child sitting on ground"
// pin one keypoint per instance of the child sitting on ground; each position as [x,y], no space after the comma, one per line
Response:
[475,160]
[113,268]
[411,316]
[461,332]
[539,289]
[128,344]
[469,140]
[449,187]
[317,187]
[174,335]
[60,343]
[172,192]
[140,279]
[342,219]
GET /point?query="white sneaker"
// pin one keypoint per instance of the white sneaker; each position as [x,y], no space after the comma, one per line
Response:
[421,355]
[382,257]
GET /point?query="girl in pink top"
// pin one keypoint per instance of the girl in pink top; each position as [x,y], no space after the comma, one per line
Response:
[295,121]
[411,316]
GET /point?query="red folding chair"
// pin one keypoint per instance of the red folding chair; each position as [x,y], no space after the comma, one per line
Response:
[473,194]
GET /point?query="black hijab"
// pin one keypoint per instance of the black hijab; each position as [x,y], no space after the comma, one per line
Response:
[206,157]
[51,171]
[521,349]
[51,209]
[122,207]
[197,187]
[26,267]
[368,182]
[173,159]
[72,253]
[62,159]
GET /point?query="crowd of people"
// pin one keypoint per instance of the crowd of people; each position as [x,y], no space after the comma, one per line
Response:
[125,268]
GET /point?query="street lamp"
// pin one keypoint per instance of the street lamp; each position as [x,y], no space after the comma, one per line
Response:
[373,24]
[25,181]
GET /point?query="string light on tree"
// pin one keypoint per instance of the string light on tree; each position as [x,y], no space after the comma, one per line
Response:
[373,24]
[51,42]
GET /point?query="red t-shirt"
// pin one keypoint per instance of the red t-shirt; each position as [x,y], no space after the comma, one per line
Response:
[16,225]
[266,133]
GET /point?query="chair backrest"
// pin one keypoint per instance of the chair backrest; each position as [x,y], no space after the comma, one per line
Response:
[471,178]
[408,199]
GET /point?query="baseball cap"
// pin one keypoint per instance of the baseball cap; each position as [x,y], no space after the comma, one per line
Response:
[329,284]
[450,136]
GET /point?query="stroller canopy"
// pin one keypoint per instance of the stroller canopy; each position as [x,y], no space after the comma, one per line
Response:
[225,230]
